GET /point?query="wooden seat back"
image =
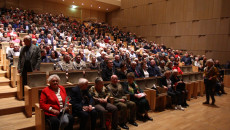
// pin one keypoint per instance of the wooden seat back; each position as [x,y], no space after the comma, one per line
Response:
[62,76]
[46,67]
[74,76]
[91,75]
[35,79]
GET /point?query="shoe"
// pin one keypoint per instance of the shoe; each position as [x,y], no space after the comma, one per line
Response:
[186,104]
[118,128]
[133,123]
[148,118]
[175,107]
[206,102]
[213,103]
[179,107]
[124,126]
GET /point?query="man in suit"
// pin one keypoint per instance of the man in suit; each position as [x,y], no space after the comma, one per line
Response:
[29,59]
[153,69]
[82,104]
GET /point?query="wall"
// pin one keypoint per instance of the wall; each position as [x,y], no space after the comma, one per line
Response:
[201,26]
[42,6]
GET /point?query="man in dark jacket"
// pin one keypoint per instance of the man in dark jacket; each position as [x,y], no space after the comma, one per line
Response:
[82,104]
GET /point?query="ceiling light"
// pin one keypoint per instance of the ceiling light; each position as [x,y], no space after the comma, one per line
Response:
[99,7]
[63,0]
[107,9]
[74,6]
[73,1]
[82,3]
[91,5]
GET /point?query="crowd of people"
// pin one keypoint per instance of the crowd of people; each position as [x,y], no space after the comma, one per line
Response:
[72,45]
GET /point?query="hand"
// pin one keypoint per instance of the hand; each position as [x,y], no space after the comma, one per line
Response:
[66,109]
[55,112]
[122,100]
[90,108]
[85,108]
[210,78]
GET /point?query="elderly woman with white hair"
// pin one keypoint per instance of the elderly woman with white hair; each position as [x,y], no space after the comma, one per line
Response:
[210,78]
[82,104]
[52,101]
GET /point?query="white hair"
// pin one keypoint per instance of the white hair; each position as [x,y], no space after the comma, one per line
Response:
[82,81]
[53,76]
[210,60]
[175,71]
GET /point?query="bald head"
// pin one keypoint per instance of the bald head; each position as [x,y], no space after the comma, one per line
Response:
[114,79]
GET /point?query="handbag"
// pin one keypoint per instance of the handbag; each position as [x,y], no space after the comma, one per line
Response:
[64,119]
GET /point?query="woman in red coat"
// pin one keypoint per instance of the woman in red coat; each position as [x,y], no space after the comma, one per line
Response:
[52,101]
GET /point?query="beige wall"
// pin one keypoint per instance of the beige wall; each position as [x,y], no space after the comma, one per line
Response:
[202,26]
[40,6]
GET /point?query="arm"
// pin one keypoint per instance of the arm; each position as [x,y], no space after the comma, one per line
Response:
[38,52]
[75,101]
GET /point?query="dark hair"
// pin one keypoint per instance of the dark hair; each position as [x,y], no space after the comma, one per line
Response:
[130,74]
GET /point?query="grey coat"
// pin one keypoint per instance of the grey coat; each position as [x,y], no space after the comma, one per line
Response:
[35,59]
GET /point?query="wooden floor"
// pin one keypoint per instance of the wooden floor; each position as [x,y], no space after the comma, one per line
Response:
[196,117]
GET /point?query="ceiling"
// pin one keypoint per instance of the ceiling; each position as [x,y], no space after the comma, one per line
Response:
[99,5]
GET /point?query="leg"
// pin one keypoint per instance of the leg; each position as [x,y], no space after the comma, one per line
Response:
[207,92]
[53,122]
[123,111]
[113,109]
[84,117]
[102,113]
[132,106]
[93,115]
[212,92]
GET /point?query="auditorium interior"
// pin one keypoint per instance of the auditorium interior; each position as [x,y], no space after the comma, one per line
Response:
[188,34]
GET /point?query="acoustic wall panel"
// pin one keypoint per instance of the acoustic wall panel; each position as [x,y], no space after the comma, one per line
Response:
[223,26]
[158,12]
[142,15]
[225,10]
[171,29]
[203,9]
[178,10]
[169,11]
[195,27]
[188,10]
[211,26]
[217,4]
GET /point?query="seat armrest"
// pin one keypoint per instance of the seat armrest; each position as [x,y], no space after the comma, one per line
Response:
[128,96]
[28,101]
[111,100]
[19,87]
[39,118]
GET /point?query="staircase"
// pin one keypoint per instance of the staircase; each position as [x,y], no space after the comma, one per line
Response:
[11,109]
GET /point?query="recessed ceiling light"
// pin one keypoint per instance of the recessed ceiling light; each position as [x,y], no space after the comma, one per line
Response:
[63,0]
[73,1]
[82,3]
[99,7]
[91,5]
[107,9]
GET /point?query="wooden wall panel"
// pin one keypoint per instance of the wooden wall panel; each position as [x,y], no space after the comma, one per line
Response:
[203,9]
[178,13]
[216,13]
[195,27]
[169,11]
[223,26]
[158,12]
[211,26]
[188,10]
[172,29]
[225,10]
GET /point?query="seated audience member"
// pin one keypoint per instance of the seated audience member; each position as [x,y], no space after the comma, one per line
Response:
[186,59]
[65,64]
[13,52]
[44,57]
[117,62]
[169,66]
[103,62]
[197,63]
[14,38]
[122,71]
[166,83]
[101,96]
[153,69]
[162,67]
[134,69]
[144,70]
[220,85]
[107,72]
[180,86]
[176,66]
[54,58]
[82,104]
[5,38]
[120,100]
[79,64]
[71,53]
[138,96]
[94,65]
[52,101]
[34,41]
